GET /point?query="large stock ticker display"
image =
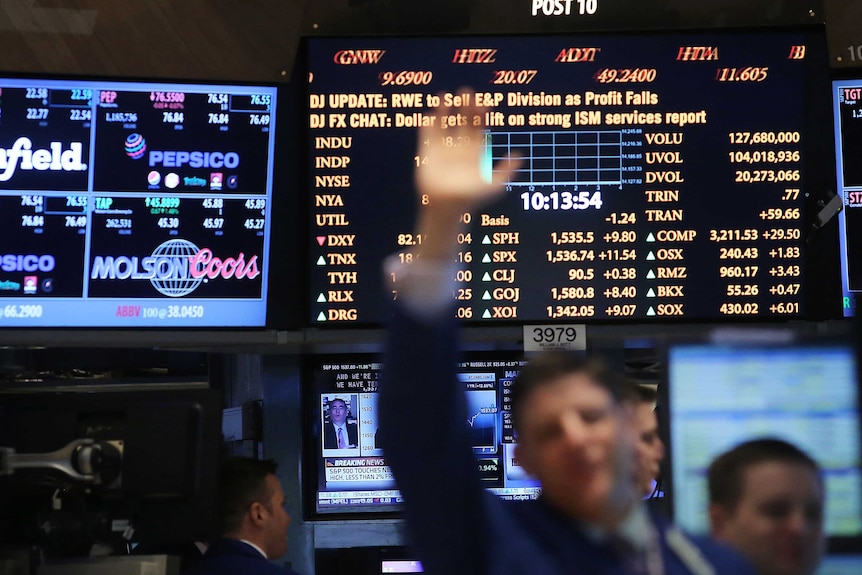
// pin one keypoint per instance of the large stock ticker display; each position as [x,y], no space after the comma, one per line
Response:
[663,177]
[134,204]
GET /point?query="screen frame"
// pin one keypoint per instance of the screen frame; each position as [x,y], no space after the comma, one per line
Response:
[752,338]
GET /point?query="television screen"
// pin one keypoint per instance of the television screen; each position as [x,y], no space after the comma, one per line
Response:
[351,476]
[665,176]
[721,394]
[134,204]
[847,106]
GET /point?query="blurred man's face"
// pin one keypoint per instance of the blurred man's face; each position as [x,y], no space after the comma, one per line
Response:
[337,412]
[278,520]
[778,521]
[650,448]
[580,445]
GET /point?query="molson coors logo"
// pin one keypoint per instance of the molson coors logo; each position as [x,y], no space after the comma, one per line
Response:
[176,267]
[22,156]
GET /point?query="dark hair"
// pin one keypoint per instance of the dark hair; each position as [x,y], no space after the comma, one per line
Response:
[725,474]
[646,394]
[242,481]
[549,367]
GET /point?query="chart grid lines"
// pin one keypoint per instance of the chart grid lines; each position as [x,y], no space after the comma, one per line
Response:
[562,158]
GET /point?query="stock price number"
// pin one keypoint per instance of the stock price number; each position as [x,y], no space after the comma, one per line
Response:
[258,119]
[30,221]
[621,310]
[785,307]
[558,238]
[406,78]
[217,99]
[172,117]
[214,223]
[409,239]
[76,201]
[167,97]
[168,223]
[742,290]
[622,218]
[747,308]
[76,221]
[191,311]
[625,75]
[254,223]
[162,202]
[620,237]
[733,235]
[79,115]
[561,200]
[581,274]
[785,289]
[561,311]
[620,273]
[255,204]
[514,76]
[745,74]
[555,256]
[218,119]
[785,271]
[22,311]
[738,271]
[37,113]
[578,292]
[780,214]
[213,203]
[617,292]
[738,253]
[778,234]
[788,252]
[32,201]
[36,93]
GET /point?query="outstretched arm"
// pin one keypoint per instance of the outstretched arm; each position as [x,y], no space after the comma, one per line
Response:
[431,456]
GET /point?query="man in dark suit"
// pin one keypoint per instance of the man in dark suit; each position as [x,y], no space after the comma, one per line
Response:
[338,433]
[574,419]
[253,522]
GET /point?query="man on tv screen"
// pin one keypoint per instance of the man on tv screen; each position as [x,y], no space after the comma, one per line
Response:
[574,418]
[766,499]
[338,432]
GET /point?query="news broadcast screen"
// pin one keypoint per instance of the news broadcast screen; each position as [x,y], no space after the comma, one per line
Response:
[349,474]
[134,204]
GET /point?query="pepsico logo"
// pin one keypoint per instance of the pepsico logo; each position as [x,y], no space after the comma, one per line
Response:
[136,146]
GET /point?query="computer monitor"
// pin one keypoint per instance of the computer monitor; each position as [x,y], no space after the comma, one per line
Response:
[719,394]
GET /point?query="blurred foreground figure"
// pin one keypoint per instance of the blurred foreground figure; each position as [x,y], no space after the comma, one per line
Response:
[574,420]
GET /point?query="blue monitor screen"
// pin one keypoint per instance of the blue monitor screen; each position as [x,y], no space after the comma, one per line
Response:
[723,394]
[130,205]
[847,107]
